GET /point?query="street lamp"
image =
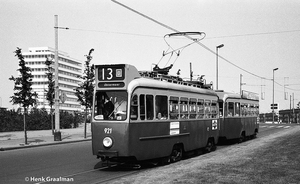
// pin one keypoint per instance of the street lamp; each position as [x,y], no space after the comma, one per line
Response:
[273,106]
[219,46]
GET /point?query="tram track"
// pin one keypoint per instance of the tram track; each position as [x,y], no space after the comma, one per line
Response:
[128,170]
[106,174]
[114,178]
[80,177]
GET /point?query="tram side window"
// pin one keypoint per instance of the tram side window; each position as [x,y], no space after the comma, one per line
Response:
[230,109]
[161,107]
[207,109]
[142,107]
[184,113]
[244,109]
[249,110]
[252,110]
[214,109]
[134,108]
[193,105]
[237,109]
[174,108]
[200,109]
[149,107]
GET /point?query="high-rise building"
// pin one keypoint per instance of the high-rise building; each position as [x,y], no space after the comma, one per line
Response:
[69,73]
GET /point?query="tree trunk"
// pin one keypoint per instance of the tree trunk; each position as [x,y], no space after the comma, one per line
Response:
[24,121]
[85,118]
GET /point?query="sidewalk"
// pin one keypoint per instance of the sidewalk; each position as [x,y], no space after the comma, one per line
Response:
[16,140]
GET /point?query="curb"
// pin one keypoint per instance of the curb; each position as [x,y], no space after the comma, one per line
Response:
[45,144]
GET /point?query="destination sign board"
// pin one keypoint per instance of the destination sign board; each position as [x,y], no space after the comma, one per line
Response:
[110,84]
[111,72]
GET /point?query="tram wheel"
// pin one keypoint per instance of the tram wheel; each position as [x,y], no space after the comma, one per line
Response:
[210,146]
[254,135]
[176,154]
[242,137]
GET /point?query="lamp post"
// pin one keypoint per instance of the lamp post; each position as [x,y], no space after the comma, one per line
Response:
[217,70]
[273,106]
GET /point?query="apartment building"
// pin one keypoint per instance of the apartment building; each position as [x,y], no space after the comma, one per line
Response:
[69,73]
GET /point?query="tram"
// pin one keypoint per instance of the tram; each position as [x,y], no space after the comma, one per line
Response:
[238,115]
[141,116]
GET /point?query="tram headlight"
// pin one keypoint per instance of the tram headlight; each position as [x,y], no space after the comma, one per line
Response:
[107,142]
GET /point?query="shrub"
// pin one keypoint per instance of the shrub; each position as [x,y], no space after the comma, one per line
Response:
[37,119]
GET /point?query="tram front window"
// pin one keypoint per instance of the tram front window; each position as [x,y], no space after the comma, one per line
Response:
[110,105]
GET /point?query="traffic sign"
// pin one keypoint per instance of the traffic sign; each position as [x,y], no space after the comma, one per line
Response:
[274,106]
[63,97]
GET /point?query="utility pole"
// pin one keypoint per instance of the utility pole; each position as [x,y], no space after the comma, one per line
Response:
[273,97]
[241,83]
[191,72]
[290,102]
[57,133]
[286,83]
[293,109]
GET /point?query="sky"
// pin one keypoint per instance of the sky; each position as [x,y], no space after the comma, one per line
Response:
[258,36]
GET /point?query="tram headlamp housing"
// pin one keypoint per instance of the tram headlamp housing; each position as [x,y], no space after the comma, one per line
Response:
[107,142]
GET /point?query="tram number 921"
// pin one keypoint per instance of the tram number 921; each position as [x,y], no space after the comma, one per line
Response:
[107,130]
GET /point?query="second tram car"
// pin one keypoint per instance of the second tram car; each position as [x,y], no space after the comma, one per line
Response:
[136,118]
[238,115]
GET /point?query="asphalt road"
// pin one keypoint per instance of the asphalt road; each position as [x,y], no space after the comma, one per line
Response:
[69,162]
[66,162]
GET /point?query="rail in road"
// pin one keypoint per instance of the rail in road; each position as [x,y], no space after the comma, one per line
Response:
[75,162]
[94,176]
[275,126]
[266,129]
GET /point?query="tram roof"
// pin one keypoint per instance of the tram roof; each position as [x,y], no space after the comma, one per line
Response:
[225,95]
[157,84]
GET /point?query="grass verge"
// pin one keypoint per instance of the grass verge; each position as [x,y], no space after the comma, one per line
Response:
[273,159]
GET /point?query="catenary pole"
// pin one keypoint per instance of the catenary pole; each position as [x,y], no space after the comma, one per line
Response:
[56,98]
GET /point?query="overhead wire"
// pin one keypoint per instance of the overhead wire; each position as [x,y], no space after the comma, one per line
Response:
[201,44]
[134,34]
[204,46]
[175,30]
[114,32]
[255,34]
